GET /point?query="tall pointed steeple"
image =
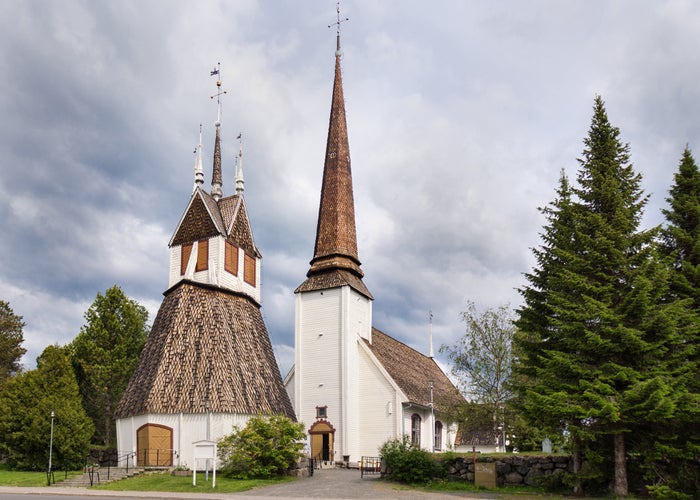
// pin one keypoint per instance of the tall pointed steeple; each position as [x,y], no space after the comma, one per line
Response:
[216,181]
[336,238]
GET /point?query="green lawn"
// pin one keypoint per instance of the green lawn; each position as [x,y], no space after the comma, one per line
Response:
[156,481]
[21,478]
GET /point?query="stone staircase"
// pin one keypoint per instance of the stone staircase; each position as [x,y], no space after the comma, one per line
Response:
[100,475]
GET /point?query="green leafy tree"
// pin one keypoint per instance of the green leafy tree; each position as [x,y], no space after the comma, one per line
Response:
[266,447]
[25,416]
[594,326]
[11,338]
[104,355]
[482,361]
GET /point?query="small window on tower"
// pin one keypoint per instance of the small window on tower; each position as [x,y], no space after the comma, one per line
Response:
[202,255]
[231,258]
[321,412]
[249,269]
[185,253]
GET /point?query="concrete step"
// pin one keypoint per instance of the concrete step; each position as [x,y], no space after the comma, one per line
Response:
[100,475]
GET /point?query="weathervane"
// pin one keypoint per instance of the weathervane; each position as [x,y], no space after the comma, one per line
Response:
[337,27]
[219,92]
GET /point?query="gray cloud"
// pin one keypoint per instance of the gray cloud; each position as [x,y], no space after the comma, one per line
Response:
[460,117]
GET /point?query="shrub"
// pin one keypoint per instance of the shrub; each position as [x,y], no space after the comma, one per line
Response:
[406,463]
[267,446]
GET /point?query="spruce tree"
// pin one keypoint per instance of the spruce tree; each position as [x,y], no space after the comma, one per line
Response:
[593,326]
[671,456]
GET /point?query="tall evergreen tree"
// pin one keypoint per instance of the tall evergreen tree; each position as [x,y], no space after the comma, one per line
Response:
[593,359]
[677,441]
[25,416]
[104,355]
[11,338]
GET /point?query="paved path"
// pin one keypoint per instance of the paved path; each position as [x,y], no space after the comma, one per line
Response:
[337,484]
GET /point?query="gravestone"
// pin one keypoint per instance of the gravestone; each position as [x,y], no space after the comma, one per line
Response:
[546,445]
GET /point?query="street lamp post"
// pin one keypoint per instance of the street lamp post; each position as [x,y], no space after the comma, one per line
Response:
[50,448]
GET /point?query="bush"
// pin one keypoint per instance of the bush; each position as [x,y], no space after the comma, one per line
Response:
[266,447]
[406,463]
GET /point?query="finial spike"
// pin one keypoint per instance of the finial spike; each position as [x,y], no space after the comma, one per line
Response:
[337,27]
[240,183]
[430,319]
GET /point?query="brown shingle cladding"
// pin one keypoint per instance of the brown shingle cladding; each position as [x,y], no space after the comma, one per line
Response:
[333,279]
[206,343]
[205,217]
[336,238]
[413,371]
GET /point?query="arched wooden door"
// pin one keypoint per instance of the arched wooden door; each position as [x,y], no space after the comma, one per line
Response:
[154,444]
[322,433]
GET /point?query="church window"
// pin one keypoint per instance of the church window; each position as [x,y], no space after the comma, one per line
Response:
[438,436]
[321,412]
[415,429]
[202,255]
[231,258]
[185,257]
[249,269]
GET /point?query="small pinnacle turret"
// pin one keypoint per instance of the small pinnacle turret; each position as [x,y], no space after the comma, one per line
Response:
[240,183]
[198,170]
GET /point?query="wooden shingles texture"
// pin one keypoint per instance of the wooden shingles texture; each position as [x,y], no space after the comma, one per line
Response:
[206,344]
[334,279]
[413,372]
[335,233]
[198,221]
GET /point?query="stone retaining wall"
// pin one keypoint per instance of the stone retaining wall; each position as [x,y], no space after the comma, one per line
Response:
[513,470]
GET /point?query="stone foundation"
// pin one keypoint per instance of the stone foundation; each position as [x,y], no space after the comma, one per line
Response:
[512,470]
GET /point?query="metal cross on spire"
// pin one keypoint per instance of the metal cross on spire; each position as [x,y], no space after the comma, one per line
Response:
[219,92]
[337,27]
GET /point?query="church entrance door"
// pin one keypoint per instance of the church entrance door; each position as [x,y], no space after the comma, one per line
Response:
[322,433]
[154,445]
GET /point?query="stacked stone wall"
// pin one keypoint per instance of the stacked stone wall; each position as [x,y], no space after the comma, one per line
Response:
[513,470]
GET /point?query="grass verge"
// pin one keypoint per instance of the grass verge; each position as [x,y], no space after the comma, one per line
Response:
[29,479]
[157,481]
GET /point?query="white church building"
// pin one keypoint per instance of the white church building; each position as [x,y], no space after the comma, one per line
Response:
[353,386]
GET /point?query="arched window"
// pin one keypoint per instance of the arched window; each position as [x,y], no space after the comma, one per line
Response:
[415,429]
[438,435]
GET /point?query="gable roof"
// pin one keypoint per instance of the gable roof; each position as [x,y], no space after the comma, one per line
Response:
[413,372]
[205,217]
[206,344]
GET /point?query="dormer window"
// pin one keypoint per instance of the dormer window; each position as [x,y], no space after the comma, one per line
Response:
[249,269]
[231,258]
[185,257]
[202,255]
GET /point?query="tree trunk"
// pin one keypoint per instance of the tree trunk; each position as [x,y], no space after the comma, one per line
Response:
[620,465]
[108,419]
[578,489]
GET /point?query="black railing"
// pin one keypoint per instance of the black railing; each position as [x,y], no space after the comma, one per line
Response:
[370,466]
[164,457]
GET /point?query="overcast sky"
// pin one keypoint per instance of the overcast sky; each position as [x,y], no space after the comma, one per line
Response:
[461,115]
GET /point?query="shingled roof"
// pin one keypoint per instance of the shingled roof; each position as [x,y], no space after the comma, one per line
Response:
[413,372]
[206,344]
[205,217]
[336,238]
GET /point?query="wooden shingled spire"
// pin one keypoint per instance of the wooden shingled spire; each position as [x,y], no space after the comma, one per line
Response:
[336,260]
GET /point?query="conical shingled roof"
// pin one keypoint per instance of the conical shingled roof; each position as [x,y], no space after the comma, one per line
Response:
[335,252]
[206,344]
